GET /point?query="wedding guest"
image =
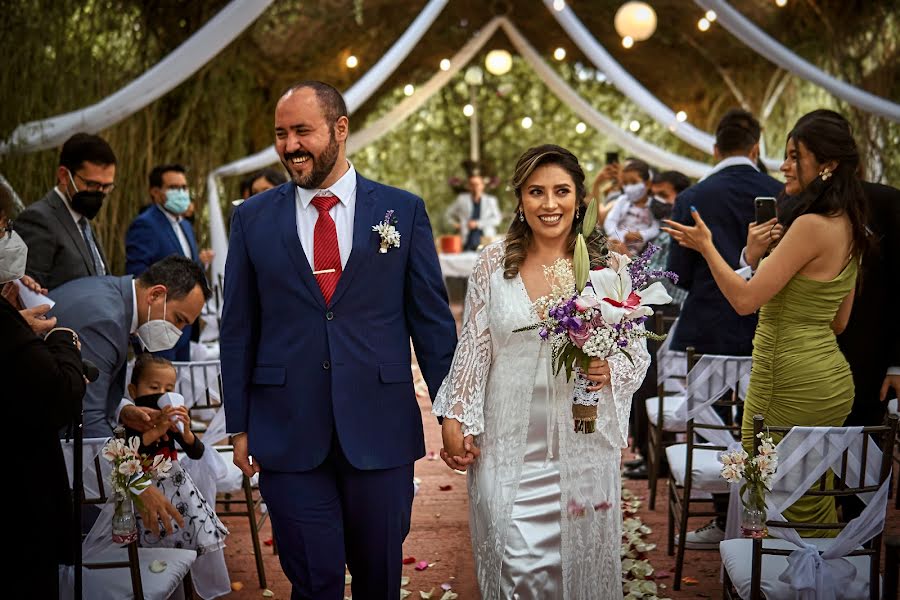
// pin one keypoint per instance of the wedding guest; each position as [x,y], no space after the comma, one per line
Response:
[544,500]
[630,220]
[57,228]
[474,214]
[804,292]
[151,378]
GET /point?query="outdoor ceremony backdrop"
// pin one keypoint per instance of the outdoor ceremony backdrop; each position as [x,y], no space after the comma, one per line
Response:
[62,55]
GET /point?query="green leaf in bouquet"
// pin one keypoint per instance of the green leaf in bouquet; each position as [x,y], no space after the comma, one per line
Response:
[590,218]
[628,356]
[582,263]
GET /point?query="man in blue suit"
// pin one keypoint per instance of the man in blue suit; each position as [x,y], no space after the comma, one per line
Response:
[725,199]
[161,231]
[315,346]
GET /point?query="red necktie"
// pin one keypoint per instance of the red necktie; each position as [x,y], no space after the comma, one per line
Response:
[326,253]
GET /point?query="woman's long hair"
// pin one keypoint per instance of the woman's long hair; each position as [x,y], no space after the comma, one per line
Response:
[828,136]
[519,237]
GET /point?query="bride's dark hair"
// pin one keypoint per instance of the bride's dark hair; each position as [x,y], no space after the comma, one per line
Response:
[828,136]
[519,237]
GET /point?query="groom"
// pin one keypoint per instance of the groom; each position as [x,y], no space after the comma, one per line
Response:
[315,349]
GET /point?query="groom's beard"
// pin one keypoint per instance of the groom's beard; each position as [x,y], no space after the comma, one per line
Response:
[322,165]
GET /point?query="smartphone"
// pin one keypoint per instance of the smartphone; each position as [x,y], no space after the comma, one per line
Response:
[612,158]
[765,209]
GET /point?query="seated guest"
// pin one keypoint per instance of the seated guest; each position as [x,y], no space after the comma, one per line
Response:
[62,245]
[108,311]
[630,221]
[151,378]
[162,231]
[474,214]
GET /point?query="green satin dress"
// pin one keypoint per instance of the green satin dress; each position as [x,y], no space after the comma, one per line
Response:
[799,375]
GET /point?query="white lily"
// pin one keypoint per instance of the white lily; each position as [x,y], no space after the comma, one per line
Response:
[618,301]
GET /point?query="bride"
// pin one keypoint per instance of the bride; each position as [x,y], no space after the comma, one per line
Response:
[544,501]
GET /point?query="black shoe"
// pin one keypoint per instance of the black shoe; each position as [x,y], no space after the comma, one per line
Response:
[633,464]
[636,473]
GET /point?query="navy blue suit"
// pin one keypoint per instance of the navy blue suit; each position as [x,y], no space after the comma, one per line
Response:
[325,393]
[150,238]
[725,202]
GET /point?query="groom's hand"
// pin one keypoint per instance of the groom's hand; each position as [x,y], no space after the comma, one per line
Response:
[458,452]
[242,455]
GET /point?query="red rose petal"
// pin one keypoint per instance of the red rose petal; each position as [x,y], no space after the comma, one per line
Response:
[445,488]
[409,560]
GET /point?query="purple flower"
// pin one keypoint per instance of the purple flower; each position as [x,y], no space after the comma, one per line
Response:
[622,343]
[580,336]
[544,333]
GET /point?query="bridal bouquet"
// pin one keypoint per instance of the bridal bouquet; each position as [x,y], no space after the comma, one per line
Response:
[594,313]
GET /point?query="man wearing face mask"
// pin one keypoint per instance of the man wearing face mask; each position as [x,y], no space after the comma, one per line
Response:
[107,311]
[162,231]
[62,243]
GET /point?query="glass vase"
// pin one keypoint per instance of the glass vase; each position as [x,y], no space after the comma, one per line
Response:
[124,522]
[753,514]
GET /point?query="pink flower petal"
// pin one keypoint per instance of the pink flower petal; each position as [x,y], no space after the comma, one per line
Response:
[421,565]
[446,587]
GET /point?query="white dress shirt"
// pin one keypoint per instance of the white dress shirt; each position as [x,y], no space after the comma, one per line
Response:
[77,216]
[731,161]
[175,221]
[342,213]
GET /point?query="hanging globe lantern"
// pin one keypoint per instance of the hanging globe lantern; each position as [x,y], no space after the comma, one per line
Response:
[498,62]
[474,75]
[636,20]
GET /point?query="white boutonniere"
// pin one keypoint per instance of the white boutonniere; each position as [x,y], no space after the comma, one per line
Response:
[390,237]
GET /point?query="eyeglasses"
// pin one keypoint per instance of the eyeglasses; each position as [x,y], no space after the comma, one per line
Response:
[96,186]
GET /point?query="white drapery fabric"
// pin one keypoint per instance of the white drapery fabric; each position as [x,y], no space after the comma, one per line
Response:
[804,455]
[595,119]
[764,45]
[358,93]
[630,86]
[707,381]
[409,106]
[165,75]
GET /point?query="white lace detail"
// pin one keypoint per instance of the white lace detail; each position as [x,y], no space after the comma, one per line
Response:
[489,389]
[581,395]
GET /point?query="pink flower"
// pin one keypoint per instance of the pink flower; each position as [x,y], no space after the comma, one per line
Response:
[580,336]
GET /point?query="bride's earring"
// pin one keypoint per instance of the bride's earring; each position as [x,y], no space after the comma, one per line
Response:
[825,174]
[577,212]
[521,216]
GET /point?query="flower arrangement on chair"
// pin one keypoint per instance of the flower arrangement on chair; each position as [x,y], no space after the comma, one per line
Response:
[756,473]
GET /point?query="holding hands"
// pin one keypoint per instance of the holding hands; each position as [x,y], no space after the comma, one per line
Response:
[459,451]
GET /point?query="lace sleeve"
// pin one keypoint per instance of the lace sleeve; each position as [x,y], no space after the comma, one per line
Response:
[626,377]
[461,396]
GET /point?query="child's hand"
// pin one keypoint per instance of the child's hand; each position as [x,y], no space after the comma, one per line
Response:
[181,416]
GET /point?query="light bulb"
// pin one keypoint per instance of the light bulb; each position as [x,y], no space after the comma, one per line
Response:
[559,53]
[445,64]
[703,24]
[681,116]
[627,41]
[710,15]
[580,128]
[558,5]
[409,89]
[780,3]
[352,62]
[527,123]
[468,110]
[634,126]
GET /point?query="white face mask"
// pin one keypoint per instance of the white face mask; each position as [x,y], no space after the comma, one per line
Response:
[634,191]
[13,256]
[158,335]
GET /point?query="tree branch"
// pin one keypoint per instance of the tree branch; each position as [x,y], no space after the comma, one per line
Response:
[732,85]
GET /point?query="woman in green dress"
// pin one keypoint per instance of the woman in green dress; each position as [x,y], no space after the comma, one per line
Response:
[803,290]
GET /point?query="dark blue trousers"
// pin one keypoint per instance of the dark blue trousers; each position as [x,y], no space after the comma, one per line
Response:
[337,514]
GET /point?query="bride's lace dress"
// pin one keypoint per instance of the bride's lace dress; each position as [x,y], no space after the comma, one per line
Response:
[544,509]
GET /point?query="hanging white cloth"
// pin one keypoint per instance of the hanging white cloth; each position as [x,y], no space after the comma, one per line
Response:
[180,64]
[764,45]
[631,87]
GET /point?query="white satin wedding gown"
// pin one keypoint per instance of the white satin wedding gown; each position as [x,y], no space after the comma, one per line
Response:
[544,501]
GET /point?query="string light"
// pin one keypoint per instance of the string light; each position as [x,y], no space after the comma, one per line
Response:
[681,116]
[352,62]
[710,15]
[559,53]
[409,89]
[780,3]
[527,123]
[558,5]
[634,126]
[703,24]
[627,41]
[580,128]
[445,64]
[468,110]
